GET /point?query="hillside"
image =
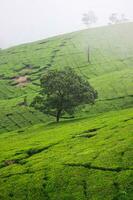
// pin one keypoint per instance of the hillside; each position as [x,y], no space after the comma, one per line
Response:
[110,71]
[88,157]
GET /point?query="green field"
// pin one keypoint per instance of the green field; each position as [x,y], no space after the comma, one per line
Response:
[88,157]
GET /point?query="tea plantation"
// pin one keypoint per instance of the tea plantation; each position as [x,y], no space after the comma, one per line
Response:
[88,157]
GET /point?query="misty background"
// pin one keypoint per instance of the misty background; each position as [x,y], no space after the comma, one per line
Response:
[24,21]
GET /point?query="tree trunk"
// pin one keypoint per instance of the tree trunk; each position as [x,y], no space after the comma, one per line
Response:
[58,116]
[88,54]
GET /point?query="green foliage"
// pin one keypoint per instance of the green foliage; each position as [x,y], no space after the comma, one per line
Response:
[62,91]
[50,161]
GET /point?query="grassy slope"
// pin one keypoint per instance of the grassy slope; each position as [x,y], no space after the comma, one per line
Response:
[86,158]
[110,70]
[78,160]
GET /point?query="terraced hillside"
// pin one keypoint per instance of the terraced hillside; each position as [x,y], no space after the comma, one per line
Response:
[82,159]
[85,158]
[109,71]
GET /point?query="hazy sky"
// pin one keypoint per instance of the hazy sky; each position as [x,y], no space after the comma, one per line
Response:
[29,20]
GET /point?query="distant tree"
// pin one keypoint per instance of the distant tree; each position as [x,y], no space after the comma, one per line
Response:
[114,18]
[62,91]
[89,18]
[123,18]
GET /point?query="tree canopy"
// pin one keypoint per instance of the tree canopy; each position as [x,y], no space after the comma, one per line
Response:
[89,18]
[62,91]
[115,18]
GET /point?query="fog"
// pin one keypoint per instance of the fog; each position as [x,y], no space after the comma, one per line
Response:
[24,21]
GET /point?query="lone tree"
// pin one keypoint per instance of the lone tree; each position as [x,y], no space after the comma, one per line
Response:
[89,18]
[62,91]
[114,18]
